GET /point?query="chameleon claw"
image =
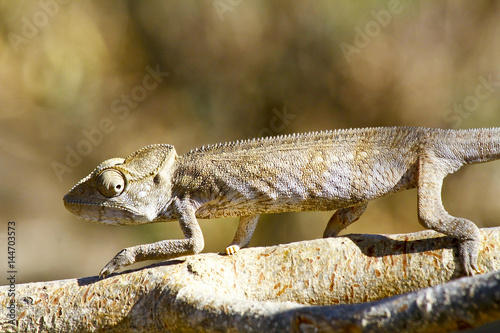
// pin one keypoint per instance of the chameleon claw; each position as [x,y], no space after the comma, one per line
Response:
[108,269]
[232,249]
[104,272]
[124,258]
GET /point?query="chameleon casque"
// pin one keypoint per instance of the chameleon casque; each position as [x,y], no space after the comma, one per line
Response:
[330,170]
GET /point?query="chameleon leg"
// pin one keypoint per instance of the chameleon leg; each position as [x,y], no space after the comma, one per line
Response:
[245,231]
[342,218]
[165,249]
[432,215]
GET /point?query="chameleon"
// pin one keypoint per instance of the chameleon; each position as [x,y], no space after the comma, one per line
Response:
[338,170]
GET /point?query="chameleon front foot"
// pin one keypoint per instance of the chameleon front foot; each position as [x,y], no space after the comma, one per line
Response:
[232,249]
[124,258]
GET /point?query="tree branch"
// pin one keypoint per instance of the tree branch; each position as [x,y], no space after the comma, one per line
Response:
[458,305]
[278,288]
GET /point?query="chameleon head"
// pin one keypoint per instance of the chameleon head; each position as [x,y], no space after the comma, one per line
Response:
[125,191]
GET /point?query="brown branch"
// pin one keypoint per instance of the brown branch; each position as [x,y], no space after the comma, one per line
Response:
[274,288]
[458,305]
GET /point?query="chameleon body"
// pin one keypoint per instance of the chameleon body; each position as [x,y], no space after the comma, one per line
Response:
[331,170]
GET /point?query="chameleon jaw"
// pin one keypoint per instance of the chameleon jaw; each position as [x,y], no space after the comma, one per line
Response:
[103,212]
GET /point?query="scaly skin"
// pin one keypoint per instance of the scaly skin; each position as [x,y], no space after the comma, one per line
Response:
[333,170]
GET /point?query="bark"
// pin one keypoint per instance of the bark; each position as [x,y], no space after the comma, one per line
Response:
[338,284]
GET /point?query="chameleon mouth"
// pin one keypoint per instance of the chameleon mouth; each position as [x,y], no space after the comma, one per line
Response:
[102,212]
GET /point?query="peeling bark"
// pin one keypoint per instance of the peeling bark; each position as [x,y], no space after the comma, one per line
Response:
[336,284]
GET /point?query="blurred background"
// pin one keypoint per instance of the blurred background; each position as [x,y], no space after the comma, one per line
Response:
[84,81]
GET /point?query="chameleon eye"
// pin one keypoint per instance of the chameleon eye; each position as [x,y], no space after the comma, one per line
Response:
[110,183]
